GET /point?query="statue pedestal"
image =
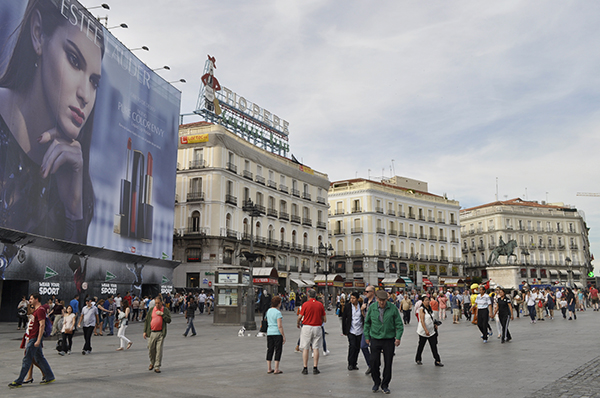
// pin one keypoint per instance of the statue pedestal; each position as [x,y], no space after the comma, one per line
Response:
[506,276]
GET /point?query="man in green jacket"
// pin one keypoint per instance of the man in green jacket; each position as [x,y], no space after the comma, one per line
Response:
[383,330]
[155,328]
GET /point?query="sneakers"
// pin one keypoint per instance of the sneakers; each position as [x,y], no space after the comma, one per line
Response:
[484,341]
[47,381]
[61,353]
[419,363]
[305,371]
[15,385]
[385,390]
[316,371]
[368,372]
[326,353]
[375,388]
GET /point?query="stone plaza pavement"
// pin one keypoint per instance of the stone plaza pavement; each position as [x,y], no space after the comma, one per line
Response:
[557,358]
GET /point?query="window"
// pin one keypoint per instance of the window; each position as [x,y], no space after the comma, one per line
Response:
[192,279]
[195,221]
[196,185]
[258,170]
[533,273]
[523,273]
[193,255]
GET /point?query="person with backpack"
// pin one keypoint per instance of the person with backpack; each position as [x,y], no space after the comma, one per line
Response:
[33,348]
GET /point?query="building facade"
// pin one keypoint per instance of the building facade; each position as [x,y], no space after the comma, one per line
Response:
[218,173]
[552,240]
[396,229]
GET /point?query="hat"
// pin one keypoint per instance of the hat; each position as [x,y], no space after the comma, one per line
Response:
[88,299]
[381,294]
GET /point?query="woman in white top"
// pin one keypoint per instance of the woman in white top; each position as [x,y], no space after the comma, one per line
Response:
[427,331]
[484,308]
[530,300]
[67,330]
[123,322]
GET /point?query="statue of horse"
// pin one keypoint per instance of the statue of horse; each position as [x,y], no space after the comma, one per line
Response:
[506,250]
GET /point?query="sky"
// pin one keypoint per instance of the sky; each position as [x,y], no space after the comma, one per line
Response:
[460,94]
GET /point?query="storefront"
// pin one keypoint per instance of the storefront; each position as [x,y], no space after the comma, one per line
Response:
[266,278]
[335,281]
[393,284]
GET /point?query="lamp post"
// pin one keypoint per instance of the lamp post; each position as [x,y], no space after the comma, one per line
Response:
[123,25]
[253,211]
[324,250]
[140,48]
[570,270]
[178,81]
[103,5]
[166,67]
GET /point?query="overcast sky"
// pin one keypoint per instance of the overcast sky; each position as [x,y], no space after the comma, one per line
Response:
[456,93]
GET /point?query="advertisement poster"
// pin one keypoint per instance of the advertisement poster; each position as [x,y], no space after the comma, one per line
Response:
[88,133]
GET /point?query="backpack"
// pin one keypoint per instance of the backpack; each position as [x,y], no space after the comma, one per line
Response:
[60,345]
[47,327]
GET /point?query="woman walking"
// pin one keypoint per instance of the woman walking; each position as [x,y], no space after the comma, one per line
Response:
[275,335]
[427,331]
[530,301]
[22,313]
[123,323]
[352,327]
[67,330]
[484,308]
[503,311]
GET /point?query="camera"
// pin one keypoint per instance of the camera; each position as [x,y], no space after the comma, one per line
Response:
[436,322]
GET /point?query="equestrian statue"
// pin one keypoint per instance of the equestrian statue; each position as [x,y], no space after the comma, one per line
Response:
[503,249]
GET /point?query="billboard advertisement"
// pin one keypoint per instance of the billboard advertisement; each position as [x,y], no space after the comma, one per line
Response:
[88,133]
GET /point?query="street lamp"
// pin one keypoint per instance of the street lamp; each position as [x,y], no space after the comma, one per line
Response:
[123,25]
[140,48]
[324,250]
[103,5]
[570,270]
[164,67]
[178,81]
[253,211]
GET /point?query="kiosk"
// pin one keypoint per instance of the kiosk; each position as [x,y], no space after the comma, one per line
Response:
[231,288]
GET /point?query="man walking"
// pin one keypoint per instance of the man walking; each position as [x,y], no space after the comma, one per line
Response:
[364,346]
[201,301]
[383,331]
[33,349]
[190,313]
[89,318]
[312,316]
[155,328]
[110,309]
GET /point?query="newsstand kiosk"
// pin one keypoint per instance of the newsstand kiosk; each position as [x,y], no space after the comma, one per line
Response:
[231,289]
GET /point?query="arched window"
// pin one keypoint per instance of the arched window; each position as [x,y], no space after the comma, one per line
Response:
[228,221]
[195,221]
[282,235]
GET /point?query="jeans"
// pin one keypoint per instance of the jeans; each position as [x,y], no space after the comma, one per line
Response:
[364,347]
[190,325]
[33,353]
[110,321]
[324,342]
[201,307]
[432,344]
[482,322]
[406,314]
[387,347]
[68,341]
[353,348]
[531,309]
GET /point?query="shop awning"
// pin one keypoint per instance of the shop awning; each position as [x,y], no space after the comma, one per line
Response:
[407,279]
[332,280]
[427,282]
[563,272]
[450,281]
[393,282]
[575,272]
[553,272]
[578,285]
[299,282]
[265,276]
[308,282]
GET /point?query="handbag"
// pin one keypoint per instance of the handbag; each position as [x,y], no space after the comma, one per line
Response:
[540,304]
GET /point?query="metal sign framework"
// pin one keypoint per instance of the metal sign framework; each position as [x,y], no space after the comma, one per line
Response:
[241,123]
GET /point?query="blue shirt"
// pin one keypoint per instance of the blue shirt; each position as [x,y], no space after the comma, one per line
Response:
[75,305]
[273,314]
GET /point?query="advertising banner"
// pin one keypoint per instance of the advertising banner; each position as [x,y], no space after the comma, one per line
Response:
[88,133]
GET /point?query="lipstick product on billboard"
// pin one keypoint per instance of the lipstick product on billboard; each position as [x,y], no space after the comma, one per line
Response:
[137,191]
[147,210]
[121,223]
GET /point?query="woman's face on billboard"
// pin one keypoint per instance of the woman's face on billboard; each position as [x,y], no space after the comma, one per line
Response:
[70,66]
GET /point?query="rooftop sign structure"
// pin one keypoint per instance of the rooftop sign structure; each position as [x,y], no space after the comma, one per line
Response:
[248,120]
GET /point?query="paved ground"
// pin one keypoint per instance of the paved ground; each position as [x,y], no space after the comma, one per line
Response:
[556,358]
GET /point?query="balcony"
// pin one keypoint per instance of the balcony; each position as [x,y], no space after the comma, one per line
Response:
[297,247]
[573,247]
[412,235]
[305,269]
[295,193]
[423,236]
[430,219]
[393,254]
[380,230]
[247,174]
[421,217]
[281,267]
[379,210]
[272,242]
[231,233]
[285,245]
[411,216]
[272,184]
[307,222]
[293,268]
[195,196]
[357,230]
[443,239]
[402,234]
[491,246]
[355,253]
[339,232]
[295,219]
[197,164]
[306,195]
[444,259]
[284,216]
[480,247]
[454,240]
[403,256]
[453,222]
[382,253]
[339,211]
[260,179]
[432,237]
[307,249]
[561,247]
[393,232]
[321,224]
[441,221]
[261,209]
[232,167]
[357,210]
[272,213]
[391,212]
[321,200]
[551,247]
[401,214]
[232,200]
[283,188]
[473,249]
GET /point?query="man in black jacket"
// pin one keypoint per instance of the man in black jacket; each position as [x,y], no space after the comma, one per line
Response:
[352,326]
